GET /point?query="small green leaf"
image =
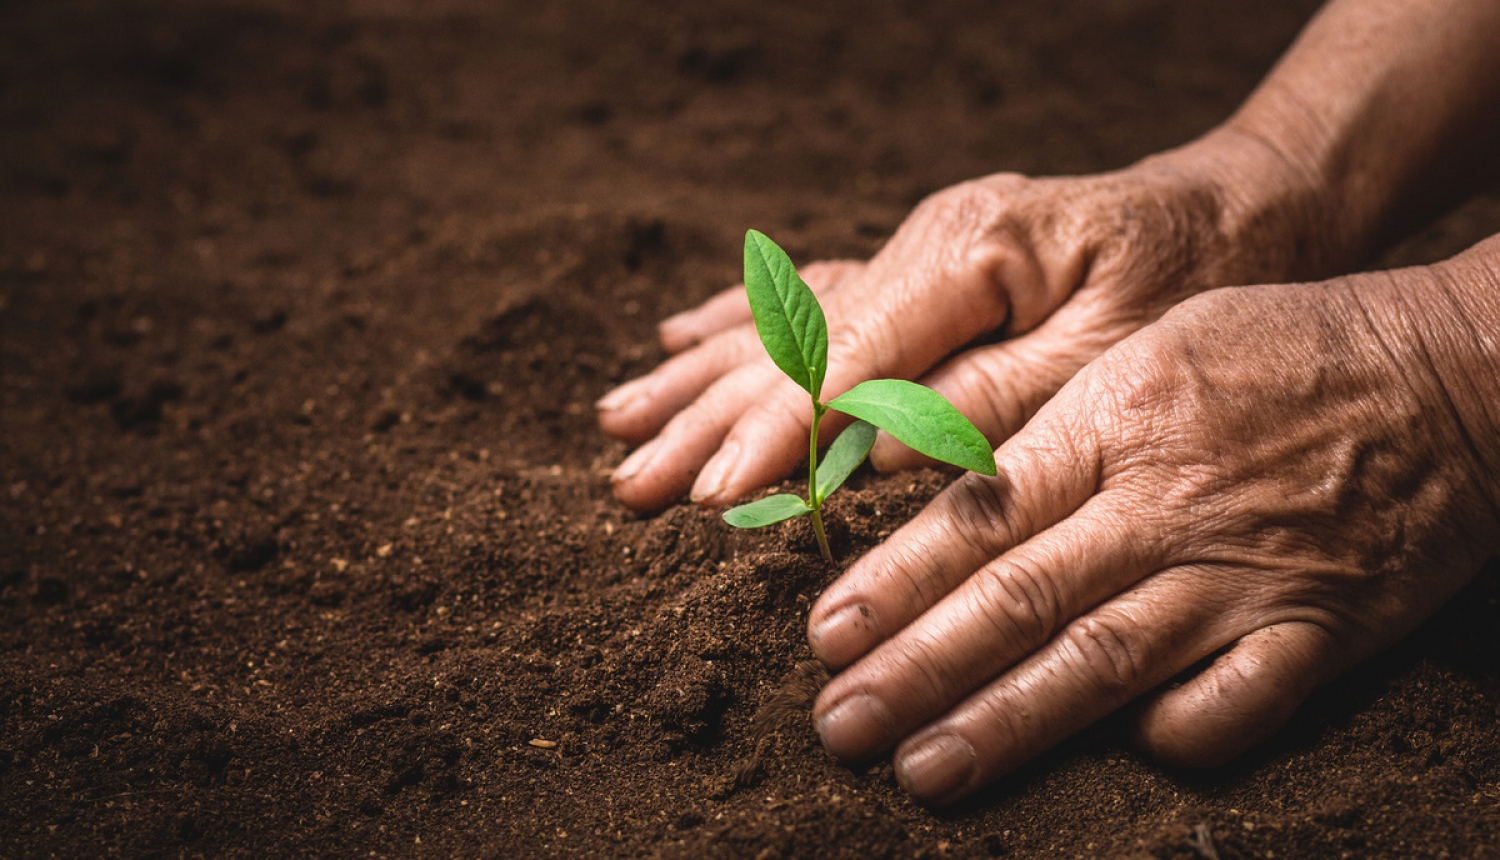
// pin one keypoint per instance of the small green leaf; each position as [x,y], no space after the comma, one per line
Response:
[844,456]
[921,418]
[787,315]
[767,511]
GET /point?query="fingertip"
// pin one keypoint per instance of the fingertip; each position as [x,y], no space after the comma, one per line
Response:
[624,426]
[646,494]
[677,332]
[709,487]
[689,328]
[631,492]
[1160,737]
[855,727]
[937,768]
[766,441]
[843,634]
[653,477]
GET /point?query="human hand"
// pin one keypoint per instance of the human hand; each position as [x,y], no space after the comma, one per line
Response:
[1066,266]
[1288,477]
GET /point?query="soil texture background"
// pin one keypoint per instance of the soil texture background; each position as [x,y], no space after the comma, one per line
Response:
[306,538]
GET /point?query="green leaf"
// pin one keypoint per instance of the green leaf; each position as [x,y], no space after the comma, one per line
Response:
[767,511]
[921,418]
[844,456]
[787,315]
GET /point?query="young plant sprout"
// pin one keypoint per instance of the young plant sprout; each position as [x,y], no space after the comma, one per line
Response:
[791,325]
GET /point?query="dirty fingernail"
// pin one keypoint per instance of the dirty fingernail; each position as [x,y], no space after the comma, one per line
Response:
[636,462]
[938,768]
[844,636]
[857,728]
[716,474]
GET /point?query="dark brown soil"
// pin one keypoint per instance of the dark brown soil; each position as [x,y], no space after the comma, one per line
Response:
[307,545]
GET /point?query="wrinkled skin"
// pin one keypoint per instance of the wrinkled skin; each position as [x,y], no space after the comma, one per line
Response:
[1275,480]
[1290,477]
[1065,267]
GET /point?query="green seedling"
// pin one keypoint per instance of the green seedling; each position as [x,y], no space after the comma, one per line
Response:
[793,330]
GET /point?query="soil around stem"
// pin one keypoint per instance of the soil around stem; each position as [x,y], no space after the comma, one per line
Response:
[306,539]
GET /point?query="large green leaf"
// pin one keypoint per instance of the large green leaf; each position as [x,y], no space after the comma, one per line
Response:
[921,418]
[787,315]
[844,456]
[765,512]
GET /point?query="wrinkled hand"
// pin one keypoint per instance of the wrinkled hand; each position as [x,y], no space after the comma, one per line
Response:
[1066,266]
[1287,477]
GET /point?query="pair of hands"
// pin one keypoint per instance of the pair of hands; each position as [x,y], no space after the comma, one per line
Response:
[1064,267]
[1287,477]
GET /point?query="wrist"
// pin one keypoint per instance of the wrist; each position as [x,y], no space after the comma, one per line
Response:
[1469,288]
[1272,211]
[1440,324]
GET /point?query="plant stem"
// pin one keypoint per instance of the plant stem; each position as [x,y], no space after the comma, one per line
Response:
[813,501]
[817,521]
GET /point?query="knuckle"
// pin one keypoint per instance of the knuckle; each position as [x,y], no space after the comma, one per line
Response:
[1021,602]
[1149,376]
[1149,401]
[908,573]
[1012,731]
[722,404]
[1210,305]
[1109,651]
[725,350]
[951,203]
[984,512]
[826,274]
[972,209]
[703,416]
[926,671]
[778,414]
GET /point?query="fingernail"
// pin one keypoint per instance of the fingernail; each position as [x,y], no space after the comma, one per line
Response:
[716,474]
[844,636]
[668,326]
[857,728]
[621,397]
[938,769]
[635,462]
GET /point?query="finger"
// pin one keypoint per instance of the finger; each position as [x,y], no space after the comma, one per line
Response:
[1005,611]
[724,310]
[1095,665]
[730,307]
[912,327]
[999,387]
[639,409]
[755,460]
[662,470]
[1042,476]
[1240,699]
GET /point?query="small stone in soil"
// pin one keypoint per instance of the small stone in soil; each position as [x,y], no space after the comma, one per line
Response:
[543,744]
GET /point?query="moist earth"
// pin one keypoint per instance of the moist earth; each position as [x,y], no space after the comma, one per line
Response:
[307,544]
